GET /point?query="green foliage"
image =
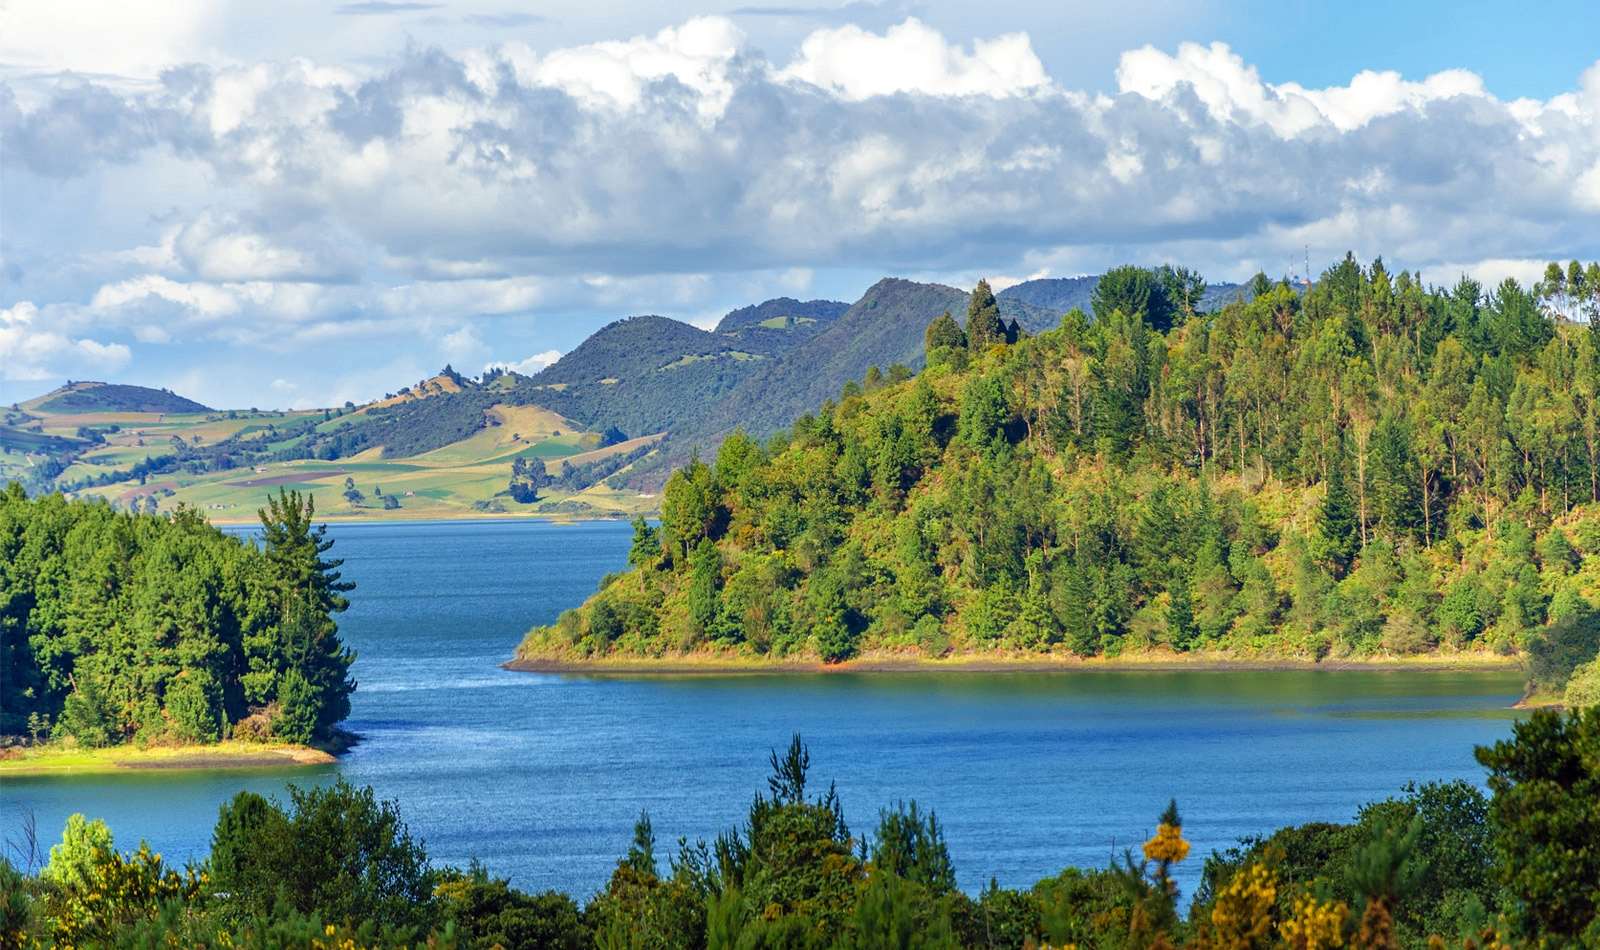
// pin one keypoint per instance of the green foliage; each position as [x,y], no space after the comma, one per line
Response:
[1364,465]
[337,852]
[1440,865]
[984,327]
[72,861]
[120,626]
[488,912]
[944,333]
[1546,819]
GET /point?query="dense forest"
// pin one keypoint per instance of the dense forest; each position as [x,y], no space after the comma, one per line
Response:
[1440,865]
[120,627]
[1366,465]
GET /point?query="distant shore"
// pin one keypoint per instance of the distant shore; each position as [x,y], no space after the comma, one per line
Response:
[1155,661]
[335,517]
[56,760]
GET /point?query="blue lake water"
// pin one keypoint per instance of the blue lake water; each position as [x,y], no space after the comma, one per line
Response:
[542,776]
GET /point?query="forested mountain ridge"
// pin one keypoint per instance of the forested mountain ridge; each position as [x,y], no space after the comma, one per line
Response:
[1371,466]
[781,315]
[883,329]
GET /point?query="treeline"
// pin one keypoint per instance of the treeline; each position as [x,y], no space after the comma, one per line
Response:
[1440,866]
[1364,465]
[120,627]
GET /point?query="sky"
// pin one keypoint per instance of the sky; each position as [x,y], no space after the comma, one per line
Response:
[302,203]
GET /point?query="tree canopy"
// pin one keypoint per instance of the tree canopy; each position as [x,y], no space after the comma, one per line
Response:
[163,628]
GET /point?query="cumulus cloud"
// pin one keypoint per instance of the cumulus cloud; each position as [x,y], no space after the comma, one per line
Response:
[913,57]
[30,351]
[322,202]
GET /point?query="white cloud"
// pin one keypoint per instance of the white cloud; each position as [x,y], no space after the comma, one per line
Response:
[915,58]
[28,351]
[288,203]
[616,72]
[529,366]
[1233,91]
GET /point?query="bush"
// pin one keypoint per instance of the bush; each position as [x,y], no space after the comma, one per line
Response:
[488,912]
[194,706]
[1584,687]
[72,861]
[335,851]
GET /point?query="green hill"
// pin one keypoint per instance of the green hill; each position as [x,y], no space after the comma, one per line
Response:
[781,322]
[85,397]
[1367,468]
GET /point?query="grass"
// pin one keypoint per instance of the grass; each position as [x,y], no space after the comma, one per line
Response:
[64,760]
[456,481]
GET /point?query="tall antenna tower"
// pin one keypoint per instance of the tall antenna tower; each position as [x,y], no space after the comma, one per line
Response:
[1308,265]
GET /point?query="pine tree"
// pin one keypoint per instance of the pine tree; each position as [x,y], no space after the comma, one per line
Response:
[1181,626]
[1338,534]
[984,326]
[1396,498]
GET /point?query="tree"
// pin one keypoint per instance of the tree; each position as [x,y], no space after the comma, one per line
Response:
[1338,533]
[705,580]
[336,851]
[1546,815]
[984,327]
[528,477]
[943,333]
[310,590]
[1396,500]
[1134,291]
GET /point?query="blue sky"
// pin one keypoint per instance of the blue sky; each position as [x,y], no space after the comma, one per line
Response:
[308,202]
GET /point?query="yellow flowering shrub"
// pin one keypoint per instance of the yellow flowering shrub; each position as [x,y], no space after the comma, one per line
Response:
[1242,916]
[1168,845]
[119,889]
[1314,924]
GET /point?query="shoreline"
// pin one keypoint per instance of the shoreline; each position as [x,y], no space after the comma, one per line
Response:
[725,664]
[479,517]
[57,761]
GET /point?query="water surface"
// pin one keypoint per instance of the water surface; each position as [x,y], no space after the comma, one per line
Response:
[541,776]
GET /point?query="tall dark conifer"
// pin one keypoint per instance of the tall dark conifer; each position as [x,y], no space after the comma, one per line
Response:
[984,326]
[1338,531]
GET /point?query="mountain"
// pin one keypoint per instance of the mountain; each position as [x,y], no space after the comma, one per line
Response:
[646,375]
[884,328]
[89,396]
[780,323]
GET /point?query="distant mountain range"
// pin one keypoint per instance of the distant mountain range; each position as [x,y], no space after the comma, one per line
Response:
[662,386]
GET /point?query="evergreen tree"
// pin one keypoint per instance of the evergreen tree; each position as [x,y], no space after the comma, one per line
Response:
[943,332]
[1181,626]
[1338,533]
[1392,477]
[984,326]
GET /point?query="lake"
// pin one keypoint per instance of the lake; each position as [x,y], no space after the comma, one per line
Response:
[542,776]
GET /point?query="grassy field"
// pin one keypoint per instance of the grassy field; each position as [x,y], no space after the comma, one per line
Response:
[59,760]
[466,479]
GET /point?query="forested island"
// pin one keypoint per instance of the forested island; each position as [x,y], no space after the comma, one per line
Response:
[1365,466]
[1441,865]
[122,630]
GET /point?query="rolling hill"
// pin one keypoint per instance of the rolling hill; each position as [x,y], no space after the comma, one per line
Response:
[88,396]
[662,388]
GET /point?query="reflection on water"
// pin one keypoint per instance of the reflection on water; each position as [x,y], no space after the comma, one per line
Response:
[541,776]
